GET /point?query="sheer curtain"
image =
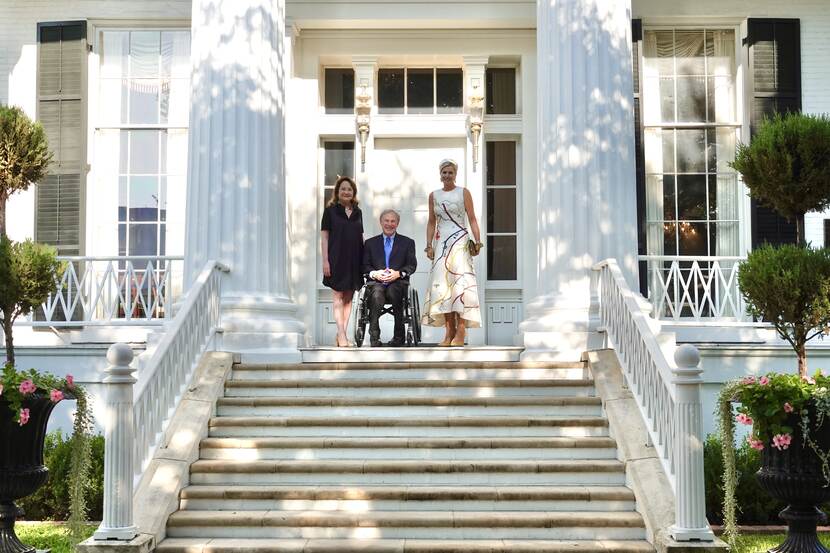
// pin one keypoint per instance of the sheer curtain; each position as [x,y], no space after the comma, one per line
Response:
[653,146]
[722,67]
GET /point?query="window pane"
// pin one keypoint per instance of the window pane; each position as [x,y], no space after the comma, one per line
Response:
[670,239]
[724,197]
[668,198]
[664,51]
[143,239]
[501,258]
[175,102]
[688,48]
[501,210]
[144,152]
[501,163]
[691,149]
[144,198]
[449,85]
[144,101]
[667,99]
[144,54]
[692,238]
[691,197]
[501,90]
[175,54]
[419,93]
[390,90]
[659,150]
[339,160]
[115,46]
[339,94]
[691,99]
[123,193]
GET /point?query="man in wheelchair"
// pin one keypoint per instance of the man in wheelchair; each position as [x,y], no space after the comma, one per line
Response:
[388,261]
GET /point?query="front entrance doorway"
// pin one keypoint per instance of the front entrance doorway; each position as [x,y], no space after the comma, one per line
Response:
[401,174]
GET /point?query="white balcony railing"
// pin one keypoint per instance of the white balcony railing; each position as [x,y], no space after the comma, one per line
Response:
[666,391]
[131,290]
[701,289]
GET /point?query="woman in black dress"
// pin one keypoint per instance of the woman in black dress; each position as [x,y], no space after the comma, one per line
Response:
[341,244]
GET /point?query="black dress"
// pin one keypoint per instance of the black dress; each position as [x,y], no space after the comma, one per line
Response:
[345,247]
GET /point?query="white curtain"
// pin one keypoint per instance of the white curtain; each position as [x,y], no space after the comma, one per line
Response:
[653,145]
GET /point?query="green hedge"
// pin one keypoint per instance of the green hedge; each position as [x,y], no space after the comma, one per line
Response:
[51,501]
[754,505]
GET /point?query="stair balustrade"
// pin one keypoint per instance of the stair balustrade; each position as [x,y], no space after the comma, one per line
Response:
[668,394]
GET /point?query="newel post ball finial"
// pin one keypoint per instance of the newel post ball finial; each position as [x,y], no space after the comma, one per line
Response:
[120,354]
[687,356]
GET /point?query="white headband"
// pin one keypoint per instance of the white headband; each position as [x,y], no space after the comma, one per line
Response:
[447,161]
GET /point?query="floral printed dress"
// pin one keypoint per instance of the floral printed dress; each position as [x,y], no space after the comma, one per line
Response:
[452,284]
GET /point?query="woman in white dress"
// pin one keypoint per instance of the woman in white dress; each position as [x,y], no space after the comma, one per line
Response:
[452,296]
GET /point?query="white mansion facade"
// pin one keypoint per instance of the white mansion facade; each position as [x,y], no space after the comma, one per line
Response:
[213,130]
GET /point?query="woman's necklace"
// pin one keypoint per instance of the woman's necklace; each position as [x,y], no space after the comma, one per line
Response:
[348,211]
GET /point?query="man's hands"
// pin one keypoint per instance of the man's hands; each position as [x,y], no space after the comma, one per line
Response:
[385,276]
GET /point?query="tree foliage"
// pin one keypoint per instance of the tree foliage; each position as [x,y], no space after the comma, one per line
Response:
[787,165]
[28,273]
[24,155]
[789,287]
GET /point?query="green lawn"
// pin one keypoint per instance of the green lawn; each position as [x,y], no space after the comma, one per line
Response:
[47,535]
[753,543]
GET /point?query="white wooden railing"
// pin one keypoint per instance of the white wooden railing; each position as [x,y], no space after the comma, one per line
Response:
[113,291]
[701,289]
[170,368]
[668,394]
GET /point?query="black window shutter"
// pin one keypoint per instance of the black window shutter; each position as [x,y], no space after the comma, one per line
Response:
[639,151]
[60,70]
[775,87]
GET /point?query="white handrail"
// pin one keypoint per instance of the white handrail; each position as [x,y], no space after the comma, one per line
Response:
[668,396]
[123,291]
[695,288]
[161,383]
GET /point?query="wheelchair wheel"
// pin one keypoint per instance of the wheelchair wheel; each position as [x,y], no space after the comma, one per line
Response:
[359,318]
[415,312]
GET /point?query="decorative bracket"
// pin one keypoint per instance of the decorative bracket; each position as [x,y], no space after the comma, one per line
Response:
[475,103]
[363,110]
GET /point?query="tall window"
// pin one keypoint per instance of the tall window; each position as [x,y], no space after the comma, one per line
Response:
[690,132]
[410,90]
[501,211]
[143,117]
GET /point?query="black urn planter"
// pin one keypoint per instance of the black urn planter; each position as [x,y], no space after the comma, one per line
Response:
[794,476]
[21,464]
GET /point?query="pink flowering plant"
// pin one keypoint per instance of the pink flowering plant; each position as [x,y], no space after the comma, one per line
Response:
[771,406]
[16,387]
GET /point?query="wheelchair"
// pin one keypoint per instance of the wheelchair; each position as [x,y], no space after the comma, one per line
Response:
[411,315]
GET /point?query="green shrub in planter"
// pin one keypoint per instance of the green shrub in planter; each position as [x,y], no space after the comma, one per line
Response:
[786,165]
[789,287]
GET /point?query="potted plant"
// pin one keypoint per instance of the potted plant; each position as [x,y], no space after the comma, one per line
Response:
[787,166]
[28,273]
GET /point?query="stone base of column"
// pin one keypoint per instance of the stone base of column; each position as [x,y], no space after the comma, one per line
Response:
[557,328]
[262,328]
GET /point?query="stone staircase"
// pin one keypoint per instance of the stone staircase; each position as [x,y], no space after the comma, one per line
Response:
[413,457]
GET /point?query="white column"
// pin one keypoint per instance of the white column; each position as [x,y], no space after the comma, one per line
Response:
[118,447]
[586,191]
[236,181]
[690,507]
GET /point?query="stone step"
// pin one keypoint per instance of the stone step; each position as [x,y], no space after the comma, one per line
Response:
[421,426]
[408,498]
[407,524]
[412,371]
[409,387]
[419,473]
[368,545]
[408,448]
[407,407]
[477,354]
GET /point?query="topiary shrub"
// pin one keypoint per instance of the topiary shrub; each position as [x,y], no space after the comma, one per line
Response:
[787,165]
[789,287]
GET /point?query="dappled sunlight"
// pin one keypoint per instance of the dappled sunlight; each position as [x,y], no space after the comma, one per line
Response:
[485,391]
[365,533]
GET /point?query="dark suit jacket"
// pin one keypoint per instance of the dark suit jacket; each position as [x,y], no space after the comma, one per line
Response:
[402,257]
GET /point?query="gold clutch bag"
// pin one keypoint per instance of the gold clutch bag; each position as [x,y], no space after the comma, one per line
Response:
[473,247]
